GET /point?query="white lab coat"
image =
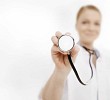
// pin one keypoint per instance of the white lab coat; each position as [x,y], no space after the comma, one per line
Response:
[98,87]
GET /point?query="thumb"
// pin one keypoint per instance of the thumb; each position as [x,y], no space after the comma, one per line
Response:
[74,52]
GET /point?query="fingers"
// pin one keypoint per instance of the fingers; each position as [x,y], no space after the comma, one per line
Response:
[54,40]
[58,34]
[56,37]
[67,33]
[55,49]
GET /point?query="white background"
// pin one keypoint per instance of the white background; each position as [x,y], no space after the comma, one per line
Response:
[26,27]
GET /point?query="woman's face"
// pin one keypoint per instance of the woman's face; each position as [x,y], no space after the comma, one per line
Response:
[88,25]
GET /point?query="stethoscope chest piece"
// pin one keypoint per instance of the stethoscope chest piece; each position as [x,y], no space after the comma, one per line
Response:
[66,43]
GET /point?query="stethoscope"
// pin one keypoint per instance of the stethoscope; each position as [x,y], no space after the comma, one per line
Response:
[65,44]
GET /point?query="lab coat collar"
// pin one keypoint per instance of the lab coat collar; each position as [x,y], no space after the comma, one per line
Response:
[96,50]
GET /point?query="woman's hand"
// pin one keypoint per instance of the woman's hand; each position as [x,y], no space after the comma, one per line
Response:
[61,59]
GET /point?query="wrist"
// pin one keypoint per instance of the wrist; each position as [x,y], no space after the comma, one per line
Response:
[61,74]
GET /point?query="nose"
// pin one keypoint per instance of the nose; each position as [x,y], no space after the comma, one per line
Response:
[91,27]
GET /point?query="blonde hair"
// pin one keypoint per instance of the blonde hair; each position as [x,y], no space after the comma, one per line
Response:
[91,7]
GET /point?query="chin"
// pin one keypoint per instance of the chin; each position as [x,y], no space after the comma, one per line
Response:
[89,40]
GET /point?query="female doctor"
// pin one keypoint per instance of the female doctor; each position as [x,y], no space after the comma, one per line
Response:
[63,85]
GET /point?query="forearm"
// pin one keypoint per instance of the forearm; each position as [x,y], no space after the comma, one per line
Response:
[53,90]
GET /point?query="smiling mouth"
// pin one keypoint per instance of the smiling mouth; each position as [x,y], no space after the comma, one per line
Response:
[89,34]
